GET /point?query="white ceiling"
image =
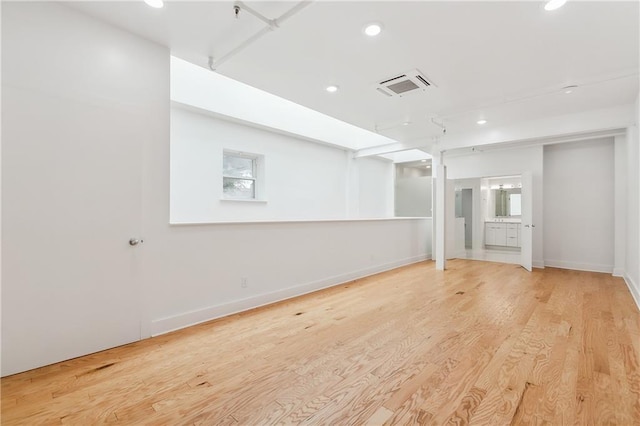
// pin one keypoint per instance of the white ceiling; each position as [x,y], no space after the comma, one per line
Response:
[503,61]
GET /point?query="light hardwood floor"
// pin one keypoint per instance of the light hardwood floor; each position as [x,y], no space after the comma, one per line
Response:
[482,343]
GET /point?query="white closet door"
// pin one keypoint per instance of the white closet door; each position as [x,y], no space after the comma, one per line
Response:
[71,189]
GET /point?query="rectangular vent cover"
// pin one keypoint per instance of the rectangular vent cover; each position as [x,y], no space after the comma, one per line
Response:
[408,82]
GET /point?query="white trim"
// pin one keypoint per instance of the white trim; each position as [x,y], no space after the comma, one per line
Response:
[633,289]
[244,200]
[257,175]
[187,319]
[618,272]
[253,222]
[538,264]
[578,266]
[462,254]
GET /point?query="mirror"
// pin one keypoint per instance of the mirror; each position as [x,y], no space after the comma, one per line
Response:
[508,202]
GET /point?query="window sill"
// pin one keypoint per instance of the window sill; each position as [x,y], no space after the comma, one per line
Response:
[237,200]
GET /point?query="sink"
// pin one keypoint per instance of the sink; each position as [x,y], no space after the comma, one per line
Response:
[504,220]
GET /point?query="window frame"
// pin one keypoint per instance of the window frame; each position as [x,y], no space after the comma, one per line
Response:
[257,178]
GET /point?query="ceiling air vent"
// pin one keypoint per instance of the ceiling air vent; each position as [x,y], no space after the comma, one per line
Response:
[408,82]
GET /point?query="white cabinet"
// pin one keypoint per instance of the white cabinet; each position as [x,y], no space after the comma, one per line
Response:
[495,234]
[489,234]
[502,234]
[512,235]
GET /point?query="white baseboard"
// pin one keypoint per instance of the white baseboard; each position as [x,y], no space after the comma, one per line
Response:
[187,319]
[618,272]
[538,264]
[462,254]
[578,266]
[633,288]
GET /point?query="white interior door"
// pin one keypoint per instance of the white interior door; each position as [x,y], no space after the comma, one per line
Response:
[71,200]
[527,226]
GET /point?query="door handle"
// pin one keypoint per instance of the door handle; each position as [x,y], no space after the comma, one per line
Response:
[526,226]
[135,241]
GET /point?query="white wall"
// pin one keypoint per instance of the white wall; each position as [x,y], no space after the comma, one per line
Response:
[182,273]
[303,180]
[507,162]
[452,248]
[413,196]
[194,271]
[375,187]
[478,207]
[579,205]
[632,249]
[620,178]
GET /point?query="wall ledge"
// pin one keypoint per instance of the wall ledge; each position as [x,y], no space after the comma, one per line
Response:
[252,222]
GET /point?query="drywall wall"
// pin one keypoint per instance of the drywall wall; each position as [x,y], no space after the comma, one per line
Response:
[413,196]
[196,270]
[104,89]
[620,177]
[632,249]
[579,205]
[375,187]
[477,210]
[507,162]
[466,210]
[302,180]
[452,237]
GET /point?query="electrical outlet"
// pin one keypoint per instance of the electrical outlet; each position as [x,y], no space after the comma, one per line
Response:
[243,282]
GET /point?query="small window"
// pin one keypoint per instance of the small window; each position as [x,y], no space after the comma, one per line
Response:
[239,176]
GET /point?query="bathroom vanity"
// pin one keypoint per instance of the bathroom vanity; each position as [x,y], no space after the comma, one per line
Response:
[502,232]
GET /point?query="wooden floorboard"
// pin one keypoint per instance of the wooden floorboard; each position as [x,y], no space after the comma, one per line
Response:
[481,343]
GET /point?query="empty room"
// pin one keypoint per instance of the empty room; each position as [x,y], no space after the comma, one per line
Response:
[320,212]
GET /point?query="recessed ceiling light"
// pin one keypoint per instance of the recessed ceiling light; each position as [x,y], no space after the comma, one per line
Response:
[158,4]
[428,167]
[406,123]
[554,4]
[331,89]
[373,29]
[423,161]
[482,121]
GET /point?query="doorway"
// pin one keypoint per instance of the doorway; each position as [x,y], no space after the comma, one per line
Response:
[496,212]
[467,213]
[464,210]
